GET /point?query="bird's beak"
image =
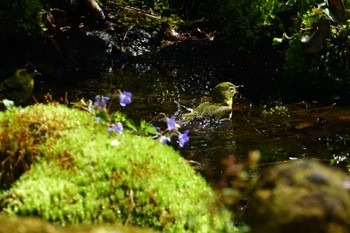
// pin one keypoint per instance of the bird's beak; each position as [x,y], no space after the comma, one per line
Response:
[235,88]
[35,73]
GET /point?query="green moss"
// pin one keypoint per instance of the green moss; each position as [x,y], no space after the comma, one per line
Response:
[35,225]
[77,176]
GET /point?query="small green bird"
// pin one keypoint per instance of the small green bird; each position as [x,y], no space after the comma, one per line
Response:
[19,86]
[221,105]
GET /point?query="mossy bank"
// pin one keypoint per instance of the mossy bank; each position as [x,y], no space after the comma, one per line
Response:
[59,165]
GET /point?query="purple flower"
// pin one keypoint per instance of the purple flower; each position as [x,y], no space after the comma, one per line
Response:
[101,101]
[164,139]
[171,123]
[183,138]
[116,127]
[125,98]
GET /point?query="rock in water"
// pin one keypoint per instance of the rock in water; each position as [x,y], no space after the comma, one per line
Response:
[303,197]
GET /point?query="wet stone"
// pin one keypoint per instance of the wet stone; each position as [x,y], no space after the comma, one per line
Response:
[301,196]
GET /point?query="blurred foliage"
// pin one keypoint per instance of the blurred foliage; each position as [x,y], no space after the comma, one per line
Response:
[251,21]
[155,16]
[20,16]
[245,22]
[317,49]
[242,20]
[314,42]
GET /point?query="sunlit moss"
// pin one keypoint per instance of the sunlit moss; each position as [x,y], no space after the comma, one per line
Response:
[278,110]
[77,175]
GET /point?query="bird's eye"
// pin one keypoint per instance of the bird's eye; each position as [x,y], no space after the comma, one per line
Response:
[232,89]
[4,85]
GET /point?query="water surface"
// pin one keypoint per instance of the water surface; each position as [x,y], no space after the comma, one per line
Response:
[305,130]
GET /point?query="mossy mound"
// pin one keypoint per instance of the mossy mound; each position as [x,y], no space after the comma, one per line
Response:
[77,173]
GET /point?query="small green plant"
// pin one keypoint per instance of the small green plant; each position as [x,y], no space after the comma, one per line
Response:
[278,110]
[117,120]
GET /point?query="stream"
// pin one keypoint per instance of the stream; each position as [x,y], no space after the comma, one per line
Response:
[301,130]
[295,130]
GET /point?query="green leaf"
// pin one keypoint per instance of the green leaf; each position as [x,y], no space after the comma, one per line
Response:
[291,2]
[277,41]
[335,11]
[147,128]
[130,124]
[9,104]
[118,116]
[102,115]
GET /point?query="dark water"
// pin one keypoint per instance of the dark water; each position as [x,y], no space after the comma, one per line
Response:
[304,130]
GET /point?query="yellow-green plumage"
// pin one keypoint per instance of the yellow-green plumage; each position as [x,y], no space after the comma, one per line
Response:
[18,87]
[221,105]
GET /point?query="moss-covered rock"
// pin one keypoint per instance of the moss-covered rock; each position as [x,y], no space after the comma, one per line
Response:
[35,225]
[75,172]
[302,197]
